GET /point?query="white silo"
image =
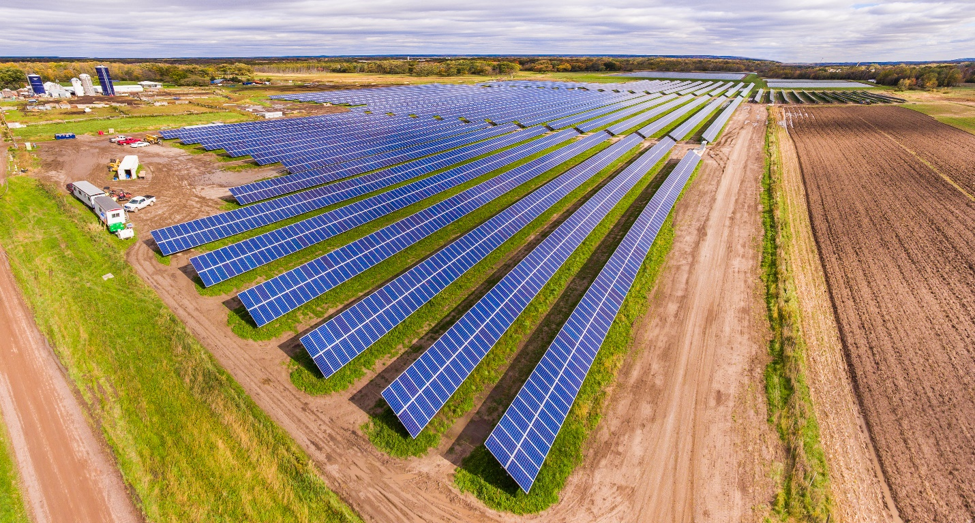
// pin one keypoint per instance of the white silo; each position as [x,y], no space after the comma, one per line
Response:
[86,84]
[79,90]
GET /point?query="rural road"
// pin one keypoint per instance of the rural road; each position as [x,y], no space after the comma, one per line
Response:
[65,469]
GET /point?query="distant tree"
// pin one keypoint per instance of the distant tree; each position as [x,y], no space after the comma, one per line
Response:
[610,65]
[12,78]
[905,84]
[194,80]
[952,78]
[507,68]
[930,81]
[564,67]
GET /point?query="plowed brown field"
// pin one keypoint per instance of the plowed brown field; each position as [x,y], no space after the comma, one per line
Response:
[890,206]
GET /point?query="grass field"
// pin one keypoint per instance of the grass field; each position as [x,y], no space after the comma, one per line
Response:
[804,486]
[188,440]
[12,509]
[124,125]
[481,475]
[384,429]
[952,113]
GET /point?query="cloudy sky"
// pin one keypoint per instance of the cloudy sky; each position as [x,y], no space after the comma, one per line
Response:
[806,31]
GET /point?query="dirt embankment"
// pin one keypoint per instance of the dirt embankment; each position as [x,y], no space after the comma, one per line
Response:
[67,473]
[896,240]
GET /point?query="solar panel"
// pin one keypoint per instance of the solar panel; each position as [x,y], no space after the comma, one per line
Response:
[625,125]
[227,262]
[684,130]
[350,333]
[712,131]
[661,123]
[197,232]
[423,389]
[273,298]
[527,431]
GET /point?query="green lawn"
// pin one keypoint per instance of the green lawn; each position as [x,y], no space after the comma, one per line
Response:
[12,509]
[951,113]
[127,124]
[189,442]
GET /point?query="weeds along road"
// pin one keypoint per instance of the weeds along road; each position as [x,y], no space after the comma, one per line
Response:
[66,471]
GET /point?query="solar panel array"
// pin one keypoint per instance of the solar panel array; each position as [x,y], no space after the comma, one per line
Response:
[674,116]
[205,230]
[684,130]
[626,125]
[592,125]
[350,333]
[525,435]
[277,296]
[423,389]
[714,129]
[246,255]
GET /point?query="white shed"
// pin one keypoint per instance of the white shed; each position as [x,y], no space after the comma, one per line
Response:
[86,192]
[128,168]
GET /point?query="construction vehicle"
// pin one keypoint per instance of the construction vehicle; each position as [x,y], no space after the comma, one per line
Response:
[113,164]
[153,139]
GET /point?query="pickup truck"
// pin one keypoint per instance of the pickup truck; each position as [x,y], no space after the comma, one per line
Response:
[117,138]
[139,202]
[127,141]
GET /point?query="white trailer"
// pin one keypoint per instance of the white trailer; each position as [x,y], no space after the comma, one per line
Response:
[110,213]
[86,192]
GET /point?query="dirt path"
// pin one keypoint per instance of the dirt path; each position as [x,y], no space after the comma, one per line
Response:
[683,381]
[685,436]
[858,488]
[66,471]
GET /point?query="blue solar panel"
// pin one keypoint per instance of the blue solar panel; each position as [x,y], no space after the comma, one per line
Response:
[423,389]
[197,232]
[712,131]
[527,431]
[684,130]
[251,253]
[670,118]
[276,297]
[350,333]
[629,123]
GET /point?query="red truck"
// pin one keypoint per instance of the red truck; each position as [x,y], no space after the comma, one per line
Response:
[127,141]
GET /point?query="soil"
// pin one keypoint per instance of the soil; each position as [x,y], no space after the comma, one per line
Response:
[66,471]
[681,391]
[896,238]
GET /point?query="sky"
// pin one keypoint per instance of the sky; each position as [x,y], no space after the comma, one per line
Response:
[805,31]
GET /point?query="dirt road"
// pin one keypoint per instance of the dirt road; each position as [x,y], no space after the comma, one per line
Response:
[66,470]
[693,380]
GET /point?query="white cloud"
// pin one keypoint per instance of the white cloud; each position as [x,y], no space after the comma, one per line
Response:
[807,30]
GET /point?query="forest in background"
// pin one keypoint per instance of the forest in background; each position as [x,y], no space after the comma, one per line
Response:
[202,71]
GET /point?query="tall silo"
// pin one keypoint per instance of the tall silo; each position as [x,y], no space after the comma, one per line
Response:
[79,90]
[36,84]
[106,80]
[86,84]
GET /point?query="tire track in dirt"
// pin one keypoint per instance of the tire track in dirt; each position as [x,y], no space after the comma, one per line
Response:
[897,242]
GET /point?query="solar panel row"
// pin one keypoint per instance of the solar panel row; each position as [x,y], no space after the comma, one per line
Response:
[423,389]
[282,294]
[592,125]
[621,127]
[527,431]
[350,333]
[265,189]
[712,131]
[197,232]
[251,253]
[661,123]
[684,130]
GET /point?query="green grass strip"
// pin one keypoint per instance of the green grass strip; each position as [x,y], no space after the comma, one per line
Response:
[804,489]
[384,429]
[188,440]
[12,508]
[124,125]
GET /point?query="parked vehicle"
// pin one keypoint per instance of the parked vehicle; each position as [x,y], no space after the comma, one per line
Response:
[140,202]
[136,145]
[85,192]
[64,136]
[110,213]
[127,141]
[117,138]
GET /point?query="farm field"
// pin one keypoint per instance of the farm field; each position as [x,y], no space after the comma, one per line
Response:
[894,226]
